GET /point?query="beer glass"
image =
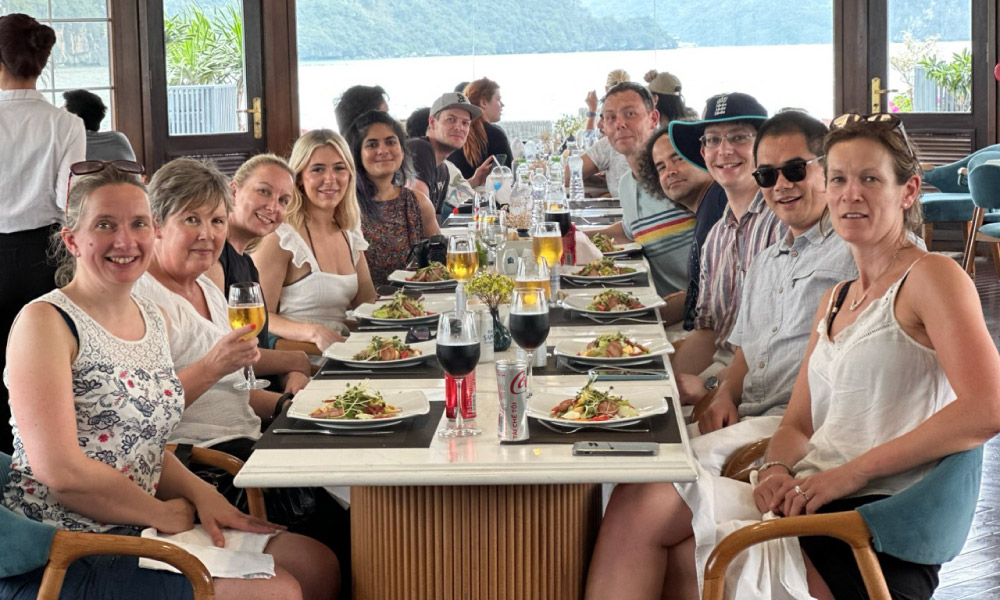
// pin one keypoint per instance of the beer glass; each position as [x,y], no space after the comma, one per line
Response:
[246,306]
[458,352]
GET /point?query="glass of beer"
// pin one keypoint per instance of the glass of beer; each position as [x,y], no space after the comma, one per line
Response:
[246,307]
[463,259]
[546,241]
[532,274]
[458,352]
[529,322]
[558,212]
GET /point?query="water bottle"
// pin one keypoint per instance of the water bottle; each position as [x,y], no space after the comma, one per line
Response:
[556,170]
[576,193]
[517,150]
[539,188]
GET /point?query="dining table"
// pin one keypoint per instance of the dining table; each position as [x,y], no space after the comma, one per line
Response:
[474,517]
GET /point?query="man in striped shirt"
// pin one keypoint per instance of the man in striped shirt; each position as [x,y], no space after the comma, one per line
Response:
[722,143]
[664,229]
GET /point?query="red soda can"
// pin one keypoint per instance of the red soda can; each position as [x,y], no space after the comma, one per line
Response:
[468,396]
[512,387]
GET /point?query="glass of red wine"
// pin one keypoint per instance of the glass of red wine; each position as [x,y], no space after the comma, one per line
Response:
[458,352]
[529,322]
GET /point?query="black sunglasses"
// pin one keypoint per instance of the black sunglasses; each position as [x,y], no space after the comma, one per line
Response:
[793,170]
[89,167]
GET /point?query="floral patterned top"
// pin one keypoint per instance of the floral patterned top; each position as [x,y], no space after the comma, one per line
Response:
[128,401]
[391,235]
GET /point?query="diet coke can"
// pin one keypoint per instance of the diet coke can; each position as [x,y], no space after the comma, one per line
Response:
[512,387]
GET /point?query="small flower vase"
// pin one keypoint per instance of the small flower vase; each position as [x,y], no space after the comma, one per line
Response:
[501,335]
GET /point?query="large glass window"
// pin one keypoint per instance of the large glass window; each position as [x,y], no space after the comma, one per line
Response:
[547,54]
[930,55]
[81,57]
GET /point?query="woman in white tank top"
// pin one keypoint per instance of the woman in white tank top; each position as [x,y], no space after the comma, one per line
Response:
[900,372]
[313,268]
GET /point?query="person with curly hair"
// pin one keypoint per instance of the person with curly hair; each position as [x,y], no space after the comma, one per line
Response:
[356,101]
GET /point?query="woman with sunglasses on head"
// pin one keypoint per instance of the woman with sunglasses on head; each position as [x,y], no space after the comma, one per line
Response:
[35,174]
[885,391]
[313,268]
[393,218]
[95,397]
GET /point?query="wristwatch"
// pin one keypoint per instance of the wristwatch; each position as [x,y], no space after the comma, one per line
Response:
[711,382]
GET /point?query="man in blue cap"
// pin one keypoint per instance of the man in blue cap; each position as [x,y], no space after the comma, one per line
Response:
[722,143]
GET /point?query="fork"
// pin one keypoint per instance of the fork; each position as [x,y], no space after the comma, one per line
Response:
[619,319]
[576,428]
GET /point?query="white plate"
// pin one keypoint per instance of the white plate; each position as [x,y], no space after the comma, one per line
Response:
[647,403]
[624,250]
[639,268]
[570,348]
[345,351]
[412,402]
[579,304]
[435,307]
[402,277]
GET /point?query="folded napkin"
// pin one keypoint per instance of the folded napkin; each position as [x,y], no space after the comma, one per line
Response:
[242,558]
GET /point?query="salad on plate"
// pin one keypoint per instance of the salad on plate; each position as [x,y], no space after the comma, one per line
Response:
[591,404]
[383,349]
[613,345]
[356,403]
[401,307]
[604,267]
[432,273]
[614,301]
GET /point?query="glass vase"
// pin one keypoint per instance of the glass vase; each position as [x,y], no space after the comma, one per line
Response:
[501,335]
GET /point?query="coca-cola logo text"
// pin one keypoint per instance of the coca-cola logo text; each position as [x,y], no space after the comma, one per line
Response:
[519,384]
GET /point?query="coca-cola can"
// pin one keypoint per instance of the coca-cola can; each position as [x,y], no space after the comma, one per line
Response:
[468,405]
[512,387]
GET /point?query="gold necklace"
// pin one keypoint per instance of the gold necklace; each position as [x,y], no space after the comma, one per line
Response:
[855,304]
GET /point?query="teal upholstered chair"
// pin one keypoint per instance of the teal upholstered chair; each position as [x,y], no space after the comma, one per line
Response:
[984,183]
[926,523]
[953,201]
[29,544]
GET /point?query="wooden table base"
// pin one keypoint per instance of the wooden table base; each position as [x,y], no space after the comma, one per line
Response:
[473,542]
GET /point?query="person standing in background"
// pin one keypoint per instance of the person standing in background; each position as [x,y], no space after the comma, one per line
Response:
[101,145]
[35,175]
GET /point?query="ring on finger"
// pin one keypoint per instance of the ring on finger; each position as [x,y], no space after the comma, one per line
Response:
[799,491]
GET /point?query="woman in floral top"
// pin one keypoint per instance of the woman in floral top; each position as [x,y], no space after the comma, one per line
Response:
[393,218]
[94,396]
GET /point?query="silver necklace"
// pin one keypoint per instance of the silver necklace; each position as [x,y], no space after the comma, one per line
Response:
[855,304]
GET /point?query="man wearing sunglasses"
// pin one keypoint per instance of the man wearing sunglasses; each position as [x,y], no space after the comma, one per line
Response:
[785,282]
[722,143]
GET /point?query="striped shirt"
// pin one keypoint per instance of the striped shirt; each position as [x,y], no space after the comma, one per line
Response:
[664,230]
[729,249]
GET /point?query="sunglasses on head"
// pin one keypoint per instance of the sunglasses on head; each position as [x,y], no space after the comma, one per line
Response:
[89,167]
[793,171]
[887,121]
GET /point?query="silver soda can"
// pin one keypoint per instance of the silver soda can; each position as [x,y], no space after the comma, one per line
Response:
[486,335]
[512,387]
[540,358]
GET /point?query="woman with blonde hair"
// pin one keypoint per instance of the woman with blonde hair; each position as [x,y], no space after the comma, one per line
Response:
[485,139]
[313,267]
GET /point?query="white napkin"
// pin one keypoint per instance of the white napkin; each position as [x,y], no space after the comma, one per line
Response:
[242,558]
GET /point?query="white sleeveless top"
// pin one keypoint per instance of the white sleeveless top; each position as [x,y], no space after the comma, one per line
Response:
[223,412]
[872,383]
[128,401]
[318,297]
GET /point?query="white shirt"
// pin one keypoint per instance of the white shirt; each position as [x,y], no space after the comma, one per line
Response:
[222,413]
[607,159]
[38,143]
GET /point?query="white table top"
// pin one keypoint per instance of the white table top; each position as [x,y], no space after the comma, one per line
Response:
[480,460]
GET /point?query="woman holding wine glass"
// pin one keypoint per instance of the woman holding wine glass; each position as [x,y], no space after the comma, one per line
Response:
[313,268]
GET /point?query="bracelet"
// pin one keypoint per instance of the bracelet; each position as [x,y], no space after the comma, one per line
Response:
[280,404]
[591,114]
[774,463]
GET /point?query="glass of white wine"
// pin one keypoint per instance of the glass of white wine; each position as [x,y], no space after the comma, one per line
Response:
[463,259]
[493,231]
[246,307]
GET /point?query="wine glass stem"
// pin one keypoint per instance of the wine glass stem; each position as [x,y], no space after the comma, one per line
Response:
[491,255]
[459,423]
[531,360]
[460,299]
[251,379]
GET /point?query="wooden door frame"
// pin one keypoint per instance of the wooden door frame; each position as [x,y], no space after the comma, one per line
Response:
[130,57]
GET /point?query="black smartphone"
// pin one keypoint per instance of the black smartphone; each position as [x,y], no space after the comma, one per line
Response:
[616,449]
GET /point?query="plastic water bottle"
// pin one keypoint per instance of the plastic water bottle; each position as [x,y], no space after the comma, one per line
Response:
[576,192]
[556,169]
[539,188]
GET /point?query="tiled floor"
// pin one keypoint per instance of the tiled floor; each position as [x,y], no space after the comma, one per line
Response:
[976,572]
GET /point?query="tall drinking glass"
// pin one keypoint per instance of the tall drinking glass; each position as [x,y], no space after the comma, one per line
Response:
[533,274]
[246,306]
[493,231]
[458,352]
[546,242]
[558,212]
[529,322]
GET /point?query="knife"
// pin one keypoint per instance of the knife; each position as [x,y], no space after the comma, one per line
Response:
[329,432]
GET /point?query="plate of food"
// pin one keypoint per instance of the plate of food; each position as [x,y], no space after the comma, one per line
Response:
[606,244]
[358,407]
[380,352]
[433,275]
[595,404]
[611,349]
[403,309]
[613,303]
[604,269]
